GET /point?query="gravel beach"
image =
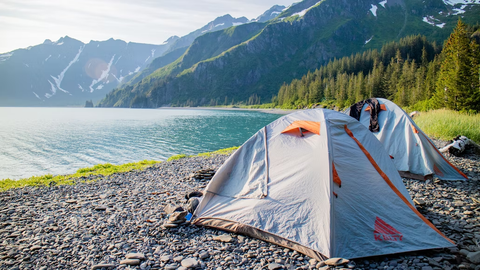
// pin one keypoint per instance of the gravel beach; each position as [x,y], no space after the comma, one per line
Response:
[117,222]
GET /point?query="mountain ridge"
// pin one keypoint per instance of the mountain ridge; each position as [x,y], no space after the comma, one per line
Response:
[299,39]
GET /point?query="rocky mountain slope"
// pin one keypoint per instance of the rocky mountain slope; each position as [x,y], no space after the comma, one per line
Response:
[68,72]
[255,59]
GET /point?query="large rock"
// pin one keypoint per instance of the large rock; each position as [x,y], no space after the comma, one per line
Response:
[474,257]
[192,204]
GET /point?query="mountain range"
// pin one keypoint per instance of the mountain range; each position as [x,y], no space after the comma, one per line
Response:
[227,61]
[68,72]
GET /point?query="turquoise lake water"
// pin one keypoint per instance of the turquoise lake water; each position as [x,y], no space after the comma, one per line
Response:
[38,141]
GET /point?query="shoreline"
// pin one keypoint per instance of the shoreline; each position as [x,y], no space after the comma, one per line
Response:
[272,111]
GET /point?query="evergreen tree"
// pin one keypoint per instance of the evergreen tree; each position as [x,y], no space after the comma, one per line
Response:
[457,85]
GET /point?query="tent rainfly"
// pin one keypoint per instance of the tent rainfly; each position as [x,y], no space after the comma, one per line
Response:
[413,153]
[317,181]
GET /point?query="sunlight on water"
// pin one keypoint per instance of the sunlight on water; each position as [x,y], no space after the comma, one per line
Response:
[38,141]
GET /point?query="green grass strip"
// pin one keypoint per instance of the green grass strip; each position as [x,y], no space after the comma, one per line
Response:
[226,151]
[100,169]
[447,124]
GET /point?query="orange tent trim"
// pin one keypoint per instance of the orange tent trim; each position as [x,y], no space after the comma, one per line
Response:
[336,178]
[309,126]
[382,108]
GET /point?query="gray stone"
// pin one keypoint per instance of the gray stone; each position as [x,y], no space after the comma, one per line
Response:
[166,258]
[139,256]
[130,261]
[224,238]
[103,265]
[171,267]
[203,255]
[275,266]
[192,204]
[189,263]
[35,247]
[474,257]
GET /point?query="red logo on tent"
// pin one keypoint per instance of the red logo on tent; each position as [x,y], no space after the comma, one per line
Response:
[385,232]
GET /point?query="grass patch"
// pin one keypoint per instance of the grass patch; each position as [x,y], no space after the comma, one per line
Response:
[226,151]
[447,124]
[100,169]
[177,157]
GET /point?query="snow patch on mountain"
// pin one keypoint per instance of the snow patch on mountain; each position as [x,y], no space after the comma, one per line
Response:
[454,2]
[432,21]
[46,59]
[118,59]
[103,76]
[147,59]
[52,89]
[36,95]
[236,23]
[460,10]
[81,88]
[58,80]
[220,24]
[301,13]
[119,80]
[60,44]
[383,3]
[366,41]
[153,53]
[374,10]
[137,69]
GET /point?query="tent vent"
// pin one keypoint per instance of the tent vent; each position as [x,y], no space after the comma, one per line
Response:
[301,127]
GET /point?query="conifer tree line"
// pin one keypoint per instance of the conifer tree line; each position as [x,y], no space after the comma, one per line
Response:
[412,72]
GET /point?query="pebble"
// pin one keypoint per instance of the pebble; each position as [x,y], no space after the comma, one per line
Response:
[224,238]
[139,256]
[274,266]
[103,265]
[58,227]
[130,261]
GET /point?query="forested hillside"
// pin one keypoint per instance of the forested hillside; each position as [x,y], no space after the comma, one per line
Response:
[250,62]
[412,72]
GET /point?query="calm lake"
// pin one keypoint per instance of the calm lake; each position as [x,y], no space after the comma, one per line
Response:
[38,141]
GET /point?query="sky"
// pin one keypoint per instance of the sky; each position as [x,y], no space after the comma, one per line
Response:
[27,23]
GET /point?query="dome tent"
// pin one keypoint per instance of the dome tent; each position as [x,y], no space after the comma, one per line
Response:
[317,181]
[413,153]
